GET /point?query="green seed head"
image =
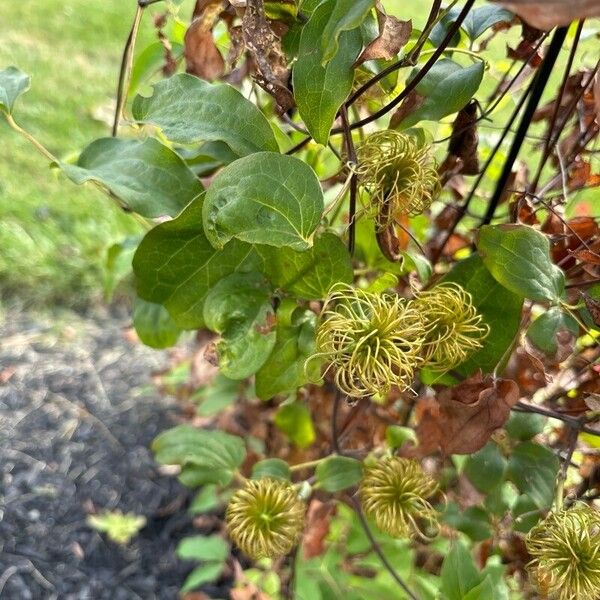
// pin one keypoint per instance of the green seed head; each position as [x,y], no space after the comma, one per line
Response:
[399,173]
[265,518]
[565,548]
[454,328]
[394,494]
[370,341]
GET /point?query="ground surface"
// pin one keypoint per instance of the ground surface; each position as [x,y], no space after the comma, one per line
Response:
[77,414]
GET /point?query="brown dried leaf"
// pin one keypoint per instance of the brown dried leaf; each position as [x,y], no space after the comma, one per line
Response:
[546,14]
[593,307]
[462,419]
[411,103]
[580,175]
[317,528]
[587,256]
[464,139]
[265,47]
[393,35]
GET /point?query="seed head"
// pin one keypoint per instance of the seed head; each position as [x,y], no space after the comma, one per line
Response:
[265,518]
[394,494]
[370,341]
[399,173]
[454,328]
[565,548]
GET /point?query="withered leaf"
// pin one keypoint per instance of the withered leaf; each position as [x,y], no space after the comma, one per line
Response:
[265,47]
[202,57]
[317,527]
[593,307]
[462,419]
[412,102]
[580,175]
[393,34]
[464,139]
[546,14]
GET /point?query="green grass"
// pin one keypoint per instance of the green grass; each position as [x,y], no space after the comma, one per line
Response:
[53,234]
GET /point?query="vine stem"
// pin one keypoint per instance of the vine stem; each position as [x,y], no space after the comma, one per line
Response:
[562,475]
[351,151]
[539,84]
[39,147]
[126,64]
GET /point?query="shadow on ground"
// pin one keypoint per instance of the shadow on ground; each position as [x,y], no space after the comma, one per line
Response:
[77,414]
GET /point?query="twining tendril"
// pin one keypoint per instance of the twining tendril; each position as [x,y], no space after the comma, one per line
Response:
[265,518]
[454,328]
[565,548]
[370,341]
[399,173]
[394,494]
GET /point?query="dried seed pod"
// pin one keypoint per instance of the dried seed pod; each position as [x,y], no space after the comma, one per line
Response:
[265,518]
[454,328]
[565,548]
[394,494]
[400,174]
[371,341]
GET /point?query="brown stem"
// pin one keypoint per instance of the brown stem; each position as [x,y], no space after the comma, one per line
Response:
[351,151]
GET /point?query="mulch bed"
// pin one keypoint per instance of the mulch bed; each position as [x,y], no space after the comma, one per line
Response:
[77,414]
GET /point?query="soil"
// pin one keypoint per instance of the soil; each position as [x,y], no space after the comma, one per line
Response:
[77,414]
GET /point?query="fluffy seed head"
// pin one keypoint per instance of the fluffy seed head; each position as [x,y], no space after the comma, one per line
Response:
[454,328]
[370,341]
[394,494]
[400,174]
[565,548]
[265,518]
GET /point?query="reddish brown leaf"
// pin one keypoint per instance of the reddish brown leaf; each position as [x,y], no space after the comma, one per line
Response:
[6,374]
[546,14]
[593,307]
[462,418]
[408,106]
[580,175]
[464,139]
[317,528]
[393,34]
[587,256]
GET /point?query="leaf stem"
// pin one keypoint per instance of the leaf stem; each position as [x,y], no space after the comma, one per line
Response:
[307,465]
[39,147]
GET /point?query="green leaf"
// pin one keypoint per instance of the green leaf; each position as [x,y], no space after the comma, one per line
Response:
[533,469]
[523,426]
[148,177]
[518,257]
[216,396]
[13,83]
[459,574]
[543,331]
[190,110]
[175,265]
[295,421]
[346,15]
[271,467]
[396,436]
[482,18]
[483,591]
[201,575]
[473,521]
[486,468]
[265,198]
[338,473]
[311,273]
[148,62]
[447,88]
[499,308]
[205,500]
[321,90]
[214,455]
[284,371]
[525,514]
[239,308]
[209,548]
[154,325]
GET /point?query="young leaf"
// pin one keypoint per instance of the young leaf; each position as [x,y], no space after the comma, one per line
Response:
[533,469]
[239,308]
[338,473]
[346,15]
[499,307]
[265,198]
[544,330]
[190,110]
[446,89]
[320,90]
[13,83]
[209,548]
[459,574]
[201,575]
[148,177]
[482,18]
[271,467]
[295,421]
[284,371]
[311,273]
[518,257]
[176,266]
[213,455]
[154,325]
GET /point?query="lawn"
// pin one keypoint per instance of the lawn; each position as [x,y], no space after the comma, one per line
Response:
[54,235]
